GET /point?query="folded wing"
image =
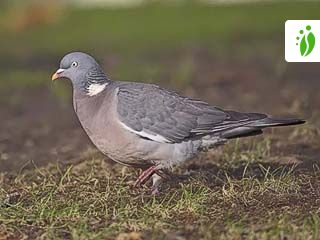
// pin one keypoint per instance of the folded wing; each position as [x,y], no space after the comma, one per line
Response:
[163,116]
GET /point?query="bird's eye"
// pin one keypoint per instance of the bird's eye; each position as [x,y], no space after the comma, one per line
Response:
[74,64]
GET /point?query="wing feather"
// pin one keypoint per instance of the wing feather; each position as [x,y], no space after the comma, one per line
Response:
[164,116]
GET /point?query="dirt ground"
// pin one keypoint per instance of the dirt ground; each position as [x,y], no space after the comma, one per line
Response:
[54,184]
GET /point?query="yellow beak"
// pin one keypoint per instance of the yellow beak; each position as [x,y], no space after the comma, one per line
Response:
[57,74]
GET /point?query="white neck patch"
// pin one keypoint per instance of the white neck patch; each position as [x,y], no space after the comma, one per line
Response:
[96,88]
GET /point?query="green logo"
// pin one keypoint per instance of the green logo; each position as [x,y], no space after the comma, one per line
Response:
[307,41]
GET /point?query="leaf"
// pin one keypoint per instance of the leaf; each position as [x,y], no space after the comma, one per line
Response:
[311,41]
[303,46]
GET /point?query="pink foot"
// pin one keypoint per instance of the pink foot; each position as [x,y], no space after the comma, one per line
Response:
[145,176]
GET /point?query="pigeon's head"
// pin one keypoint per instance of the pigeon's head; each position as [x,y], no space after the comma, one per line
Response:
[83,71]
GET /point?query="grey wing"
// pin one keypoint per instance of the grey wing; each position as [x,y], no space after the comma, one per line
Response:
[164,116]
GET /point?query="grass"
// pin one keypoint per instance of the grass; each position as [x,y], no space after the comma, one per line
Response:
[237,192]
[260,202]
[136,44]
[152,29]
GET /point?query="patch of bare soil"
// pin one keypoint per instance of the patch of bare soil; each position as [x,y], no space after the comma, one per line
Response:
[38,131]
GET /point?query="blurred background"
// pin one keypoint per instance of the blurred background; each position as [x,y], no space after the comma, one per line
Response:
[227,52]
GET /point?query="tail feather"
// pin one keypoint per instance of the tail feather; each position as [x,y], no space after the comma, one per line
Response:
[274,122]
[241,132]
[255,127]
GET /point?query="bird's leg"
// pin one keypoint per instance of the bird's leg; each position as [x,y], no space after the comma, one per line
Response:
[145,175]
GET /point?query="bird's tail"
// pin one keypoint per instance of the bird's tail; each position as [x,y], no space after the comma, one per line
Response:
[256,127]
[276,122]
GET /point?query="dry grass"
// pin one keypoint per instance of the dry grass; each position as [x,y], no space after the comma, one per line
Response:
[257,188]
[244,199]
